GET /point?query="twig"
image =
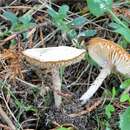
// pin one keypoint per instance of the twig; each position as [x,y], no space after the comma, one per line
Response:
[88,108]
[4,127]
[6,119]
[26,83]
[16,7]
[17,33]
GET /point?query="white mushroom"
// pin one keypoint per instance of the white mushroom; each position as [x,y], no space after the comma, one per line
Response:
[109,56]
[53,58]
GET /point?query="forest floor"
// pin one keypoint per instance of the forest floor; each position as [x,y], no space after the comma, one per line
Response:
[21,98]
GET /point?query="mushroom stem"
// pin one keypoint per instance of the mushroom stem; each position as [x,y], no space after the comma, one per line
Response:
[95,85]
[57,86]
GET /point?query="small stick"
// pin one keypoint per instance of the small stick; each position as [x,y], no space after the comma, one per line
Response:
[17,33]
[6,119]
[4,127]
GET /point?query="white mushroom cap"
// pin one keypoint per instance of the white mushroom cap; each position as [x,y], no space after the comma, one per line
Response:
[54,56]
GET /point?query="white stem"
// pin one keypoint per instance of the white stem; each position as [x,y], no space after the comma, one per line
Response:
[95,85]
[57,87]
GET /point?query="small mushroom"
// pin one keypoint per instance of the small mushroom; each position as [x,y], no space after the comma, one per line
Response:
[110,56]
[53,58]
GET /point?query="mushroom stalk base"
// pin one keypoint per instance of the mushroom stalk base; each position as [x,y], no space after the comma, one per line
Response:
[95,85]
[57,87]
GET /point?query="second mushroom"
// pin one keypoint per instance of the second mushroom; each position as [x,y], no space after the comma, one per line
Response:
[109,56]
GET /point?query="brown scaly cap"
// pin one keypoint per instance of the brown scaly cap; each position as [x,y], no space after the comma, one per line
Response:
[108,54]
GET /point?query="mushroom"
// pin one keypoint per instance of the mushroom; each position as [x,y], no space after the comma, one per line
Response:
[110,56]
[53,58]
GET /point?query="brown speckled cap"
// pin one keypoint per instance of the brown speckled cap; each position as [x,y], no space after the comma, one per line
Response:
[109,54]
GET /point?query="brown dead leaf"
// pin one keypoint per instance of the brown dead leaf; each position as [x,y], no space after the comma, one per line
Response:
[14,62]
